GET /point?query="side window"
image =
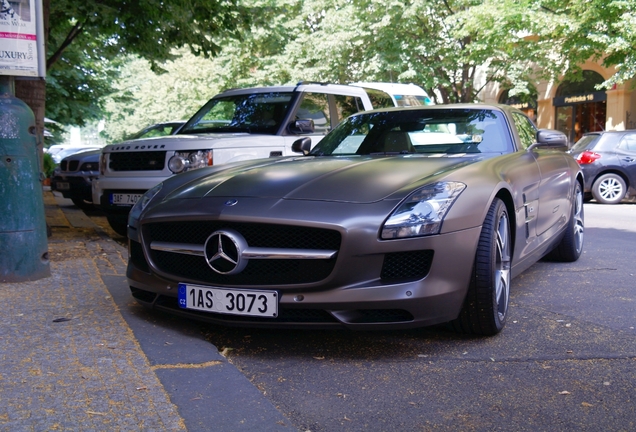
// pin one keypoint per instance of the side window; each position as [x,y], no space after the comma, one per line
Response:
[628,143]
[347,105]
[315,106]
[527,131]
[379,99]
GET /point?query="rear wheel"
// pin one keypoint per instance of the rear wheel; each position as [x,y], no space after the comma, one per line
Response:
[609,189]
[485,308]
[571,245]
[119,224]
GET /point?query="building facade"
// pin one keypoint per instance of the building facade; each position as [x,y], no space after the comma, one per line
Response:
[575,107]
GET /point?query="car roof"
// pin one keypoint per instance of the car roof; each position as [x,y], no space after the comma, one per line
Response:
[303,86]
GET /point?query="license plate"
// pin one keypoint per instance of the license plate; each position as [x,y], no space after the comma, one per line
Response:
[229,301]
[124,198]
[63,185]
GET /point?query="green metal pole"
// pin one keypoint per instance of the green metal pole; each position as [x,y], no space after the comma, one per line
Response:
[23,243]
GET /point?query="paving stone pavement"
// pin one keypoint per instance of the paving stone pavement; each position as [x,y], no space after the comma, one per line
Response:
[68,360]
[77,353]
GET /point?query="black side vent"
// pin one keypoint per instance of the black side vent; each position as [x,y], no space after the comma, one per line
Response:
[413,265]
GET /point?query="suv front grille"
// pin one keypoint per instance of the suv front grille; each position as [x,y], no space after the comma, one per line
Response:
[137,161]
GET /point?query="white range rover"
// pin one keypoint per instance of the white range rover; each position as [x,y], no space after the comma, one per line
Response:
[235,125]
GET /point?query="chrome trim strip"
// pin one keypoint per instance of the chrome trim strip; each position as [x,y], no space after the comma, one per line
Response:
[270,253]
[181,248]
[249,253]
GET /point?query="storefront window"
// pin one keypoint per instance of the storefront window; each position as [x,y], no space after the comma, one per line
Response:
[580,108]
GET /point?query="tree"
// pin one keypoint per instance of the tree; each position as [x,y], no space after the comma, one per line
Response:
[83,35]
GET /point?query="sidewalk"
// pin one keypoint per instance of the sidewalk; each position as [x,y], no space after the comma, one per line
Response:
[77,353]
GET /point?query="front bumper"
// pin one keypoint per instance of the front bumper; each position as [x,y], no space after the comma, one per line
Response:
[73,187]
[356,294]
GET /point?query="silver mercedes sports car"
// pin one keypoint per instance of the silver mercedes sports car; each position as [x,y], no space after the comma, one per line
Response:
[398,218]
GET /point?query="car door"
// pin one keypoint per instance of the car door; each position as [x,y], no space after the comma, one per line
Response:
[626,154]
[554,186]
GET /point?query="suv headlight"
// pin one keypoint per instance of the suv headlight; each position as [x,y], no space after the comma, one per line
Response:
[188,160]
[140,205]
[422,212]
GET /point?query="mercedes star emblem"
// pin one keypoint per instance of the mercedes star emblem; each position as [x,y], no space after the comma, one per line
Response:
[223,252]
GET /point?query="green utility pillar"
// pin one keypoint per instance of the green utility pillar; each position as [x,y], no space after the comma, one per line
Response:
[23,244]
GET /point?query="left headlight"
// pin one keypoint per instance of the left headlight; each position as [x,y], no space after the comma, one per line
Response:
[422,212]
[140,205]
[188,160]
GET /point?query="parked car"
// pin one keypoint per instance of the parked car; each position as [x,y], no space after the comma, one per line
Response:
[69,151]
[608,160]
[236,125]
[73,177]
[75,173]
[401,94]
[398,218]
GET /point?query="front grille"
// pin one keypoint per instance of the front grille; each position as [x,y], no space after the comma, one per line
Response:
[257,235]
[137,161]
[257,272]
[412,265]
[72,165]
[137,256]
[64,165]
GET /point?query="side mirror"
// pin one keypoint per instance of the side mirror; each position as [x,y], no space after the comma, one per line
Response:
[302,145]
[303,126]
[550,138]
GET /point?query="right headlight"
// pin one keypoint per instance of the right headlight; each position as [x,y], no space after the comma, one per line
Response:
[422,212]
[188,160]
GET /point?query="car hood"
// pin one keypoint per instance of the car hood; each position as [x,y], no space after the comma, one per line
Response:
[355,179]
[193,142]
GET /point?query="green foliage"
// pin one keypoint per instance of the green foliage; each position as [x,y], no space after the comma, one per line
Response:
[86,39]
[139,63]
[48,165]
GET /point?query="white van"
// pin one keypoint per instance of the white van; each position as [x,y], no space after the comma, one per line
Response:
[402,94]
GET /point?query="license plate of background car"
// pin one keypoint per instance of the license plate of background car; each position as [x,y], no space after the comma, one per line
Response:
[128,199]
[63,186]
[229,301]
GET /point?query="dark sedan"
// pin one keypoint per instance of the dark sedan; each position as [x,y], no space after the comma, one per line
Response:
[398,218]
[608,160]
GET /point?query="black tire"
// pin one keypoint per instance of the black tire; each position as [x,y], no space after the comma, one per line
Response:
[80,203]
[485,307]
[119,224]
[571,245]
[609,189]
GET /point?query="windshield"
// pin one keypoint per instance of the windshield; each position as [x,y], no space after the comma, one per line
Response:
[585,142]
[251,113]
[430,131]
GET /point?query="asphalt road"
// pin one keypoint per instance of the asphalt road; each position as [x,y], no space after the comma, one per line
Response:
[566,360]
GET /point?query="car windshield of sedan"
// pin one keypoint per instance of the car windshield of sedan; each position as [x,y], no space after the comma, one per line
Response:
[429,131]
[250,113]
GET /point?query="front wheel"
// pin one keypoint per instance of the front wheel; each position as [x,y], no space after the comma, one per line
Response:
[609,189]
[485,308]
[84,205]
[119,224]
